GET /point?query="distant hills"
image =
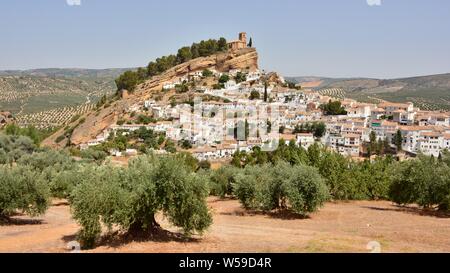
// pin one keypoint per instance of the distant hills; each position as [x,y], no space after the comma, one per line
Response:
[428,92]
[67,72]
[37,90]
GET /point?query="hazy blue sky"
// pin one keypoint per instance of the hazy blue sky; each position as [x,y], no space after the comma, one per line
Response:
[337,38]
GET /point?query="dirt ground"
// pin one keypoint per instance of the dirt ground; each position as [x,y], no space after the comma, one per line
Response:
[338,227]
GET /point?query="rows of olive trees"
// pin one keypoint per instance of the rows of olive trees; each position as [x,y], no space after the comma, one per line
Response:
[176,186]
[101,194]
[21,189]
[424,181]
[30,176]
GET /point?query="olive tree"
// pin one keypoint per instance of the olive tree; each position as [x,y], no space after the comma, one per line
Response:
[423,181]
[22,189]
[12,148]
[129,198]
[299,188]
[222,180]
[57,168]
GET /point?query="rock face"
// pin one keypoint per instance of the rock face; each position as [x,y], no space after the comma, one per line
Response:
[243,59]
[5,118]
[96,122]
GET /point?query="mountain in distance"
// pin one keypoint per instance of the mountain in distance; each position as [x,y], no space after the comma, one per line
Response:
[67,72]
[428,92]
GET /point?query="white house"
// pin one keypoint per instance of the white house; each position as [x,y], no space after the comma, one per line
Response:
[231,85]
[431,143]
[305,140]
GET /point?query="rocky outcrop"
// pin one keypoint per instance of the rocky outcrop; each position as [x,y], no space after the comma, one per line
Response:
[243,59]
[96,122]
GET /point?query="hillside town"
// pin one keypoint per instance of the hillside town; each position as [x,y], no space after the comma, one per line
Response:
[210,127]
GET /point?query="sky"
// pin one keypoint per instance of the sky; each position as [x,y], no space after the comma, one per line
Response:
[330,38]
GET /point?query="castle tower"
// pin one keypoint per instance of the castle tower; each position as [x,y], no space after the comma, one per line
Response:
[243,37]
[239,44]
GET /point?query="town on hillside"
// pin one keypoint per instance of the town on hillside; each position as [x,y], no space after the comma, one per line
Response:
[303,116]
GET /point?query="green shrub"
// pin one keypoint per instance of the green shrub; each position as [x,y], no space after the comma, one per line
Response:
[93,155]
[339,173]
[22,189]
[254,95]
[31,132]
[75,118]
[240,77]
[204,164]
[222,181]
[207,73]
[374,177]
[14,147]
[60,138]
[56,169]
[224,78]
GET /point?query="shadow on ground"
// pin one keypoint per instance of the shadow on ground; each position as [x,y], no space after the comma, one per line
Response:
[277,214]
[118,239]
[11,221]
[413,210]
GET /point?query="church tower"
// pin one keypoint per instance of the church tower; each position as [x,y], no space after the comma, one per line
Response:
[243,37]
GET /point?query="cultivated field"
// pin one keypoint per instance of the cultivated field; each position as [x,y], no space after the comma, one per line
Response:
[27,94]
[338,227]
[53,118]
[333,92]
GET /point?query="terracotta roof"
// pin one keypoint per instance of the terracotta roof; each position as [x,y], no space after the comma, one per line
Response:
[414,128]
[389,123]
[352,135]
[287,137]
[203,150]
[387,104]
[431,134]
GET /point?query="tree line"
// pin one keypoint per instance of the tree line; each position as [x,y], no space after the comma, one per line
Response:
[424,180]
[130,79]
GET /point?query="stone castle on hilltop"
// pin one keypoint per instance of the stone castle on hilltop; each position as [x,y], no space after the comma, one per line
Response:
[239,44]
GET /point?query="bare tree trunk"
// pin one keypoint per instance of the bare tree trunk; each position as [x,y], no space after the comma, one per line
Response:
[141,227]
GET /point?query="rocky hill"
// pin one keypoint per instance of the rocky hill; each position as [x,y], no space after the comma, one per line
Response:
[97,121]
[244,59]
